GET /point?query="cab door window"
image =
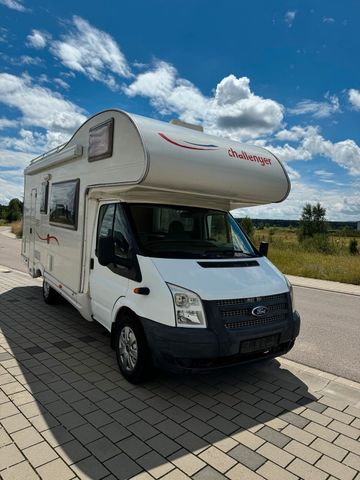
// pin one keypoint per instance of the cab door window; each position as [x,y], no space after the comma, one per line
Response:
[114,226]
[106,220]
[121,235]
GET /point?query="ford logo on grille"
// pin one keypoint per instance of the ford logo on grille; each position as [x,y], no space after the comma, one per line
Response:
[259,311]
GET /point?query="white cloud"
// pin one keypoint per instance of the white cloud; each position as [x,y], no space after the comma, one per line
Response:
[317,109]
[345,153]
[39,106]
[6,123]
[290,17]
[324,173]
[237,108]
[288,153]
[14,5]
[11,158]
[233,110]
[293,174]
[10,189]
[26,141]
[37,39]
[340,203]
[28,60]
[295,134]
[328,20]
[354,98]
[61,83]
[47,120]
[92,52]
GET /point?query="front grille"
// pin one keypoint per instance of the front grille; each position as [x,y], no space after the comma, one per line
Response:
[247,311]
[241,301]
[256,322]
[237,313]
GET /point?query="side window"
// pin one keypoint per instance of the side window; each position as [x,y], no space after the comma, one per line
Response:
[106,220]
[101,138]
[44,197]
[112,225]
[64,201]
[121,234]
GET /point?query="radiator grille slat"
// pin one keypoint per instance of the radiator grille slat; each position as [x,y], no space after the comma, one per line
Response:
[256,322]
[240,301]
[237,313]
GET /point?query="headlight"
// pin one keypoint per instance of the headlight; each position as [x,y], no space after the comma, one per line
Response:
[189,311]
[291,290]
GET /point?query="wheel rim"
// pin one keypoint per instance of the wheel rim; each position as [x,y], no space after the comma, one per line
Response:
[128,349]
[46,289]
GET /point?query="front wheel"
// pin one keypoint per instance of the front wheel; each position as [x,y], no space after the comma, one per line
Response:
[50,295]
[132,351]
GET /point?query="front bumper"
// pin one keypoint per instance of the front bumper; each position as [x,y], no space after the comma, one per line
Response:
[197,349]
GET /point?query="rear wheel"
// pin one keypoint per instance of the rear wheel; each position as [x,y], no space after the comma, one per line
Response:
[50,295]
[132,351]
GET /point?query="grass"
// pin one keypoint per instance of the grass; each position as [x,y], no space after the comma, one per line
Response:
[290,256]
[17,228]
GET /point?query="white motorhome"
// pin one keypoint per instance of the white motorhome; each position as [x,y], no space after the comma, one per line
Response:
[129,221]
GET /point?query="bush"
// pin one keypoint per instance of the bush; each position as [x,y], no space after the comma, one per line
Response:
[353,247]
[247,226]
[14,213]
[17,229]
[320,243]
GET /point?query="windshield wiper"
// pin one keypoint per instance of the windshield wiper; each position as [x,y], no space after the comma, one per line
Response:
[229,252]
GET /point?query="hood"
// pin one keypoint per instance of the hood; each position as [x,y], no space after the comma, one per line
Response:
[218,283]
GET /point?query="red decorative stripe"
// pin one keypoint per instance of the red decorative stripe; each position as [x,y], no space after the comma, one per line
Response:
[48,238]
[182,146]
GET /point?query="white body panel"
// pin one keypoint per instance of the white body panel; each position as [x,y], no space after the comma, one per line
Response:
[151,162]
[222,283]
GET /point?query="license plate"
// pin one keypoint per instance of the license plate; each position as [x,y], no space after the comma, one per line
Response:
[259,344]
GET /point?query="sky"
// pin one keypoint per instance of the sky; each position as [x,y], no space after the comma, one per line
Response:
[281,74]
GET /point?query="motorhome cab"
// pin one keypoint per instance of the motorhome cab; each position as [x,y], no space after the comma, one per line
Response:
[129,221]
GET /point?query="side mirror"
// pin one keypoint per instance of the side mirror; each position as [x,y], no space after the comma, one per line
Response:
[120,243]
[264,248]
[105,251]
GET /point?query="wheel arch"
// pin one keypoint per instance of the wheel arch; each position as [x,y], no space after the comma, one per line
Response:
[121,313]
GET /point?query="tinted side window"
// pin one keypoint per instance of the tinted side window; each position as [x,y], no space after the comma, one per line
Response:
[121,234]
[112,224]
[106,220]
[64,203]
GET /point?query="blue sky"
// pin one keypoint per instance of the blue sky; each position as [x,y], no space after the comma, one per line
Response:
[284,75]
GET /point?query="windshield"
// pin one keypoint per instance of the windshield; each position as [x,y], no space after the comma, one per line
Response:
[187,232]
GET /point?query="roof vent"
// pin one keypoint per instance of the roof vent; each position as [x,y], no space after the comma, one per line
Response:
[180,123]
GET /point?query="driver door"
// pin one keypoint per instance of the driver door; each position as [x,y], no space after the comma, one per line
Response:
[108,283]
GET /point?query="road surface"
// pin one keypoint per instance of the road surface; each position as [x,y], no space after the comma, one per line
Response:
[10,249]
[330,333]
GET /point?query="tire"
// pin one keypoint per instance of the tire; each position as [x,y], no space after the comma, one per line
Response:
[50,296]
[132,351]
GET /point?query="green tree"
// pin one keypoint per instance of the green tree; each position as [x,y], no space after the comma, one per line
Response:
[312,221]
[247,225]
[14,210]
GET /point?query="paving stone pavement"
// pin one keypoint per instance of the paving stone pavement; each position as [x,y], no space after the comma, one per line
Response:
[66,412]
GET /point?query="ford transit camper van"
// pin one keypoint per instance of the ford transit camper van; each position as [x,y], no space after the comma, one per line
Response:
[129,221]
